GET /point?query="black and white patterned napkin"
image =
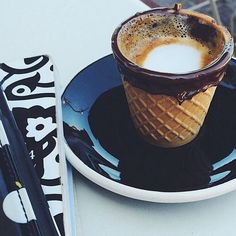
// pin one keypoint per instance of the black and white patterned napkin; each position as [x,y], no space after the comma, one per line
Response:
[29,87]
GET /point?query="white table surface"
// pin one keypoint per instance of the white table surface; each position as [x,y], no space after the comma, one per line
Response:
[75,33]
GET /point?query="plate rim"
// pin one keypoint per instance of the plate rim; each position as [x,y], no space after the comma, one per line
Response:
[142,194]
[148,195]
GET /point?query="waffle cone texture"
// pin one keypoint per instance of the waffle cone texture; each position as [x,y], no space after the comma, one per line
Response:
[162,120]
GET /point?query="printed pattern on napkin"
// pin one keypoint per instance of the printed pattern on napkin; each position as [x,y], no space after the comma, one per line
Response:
[30,91]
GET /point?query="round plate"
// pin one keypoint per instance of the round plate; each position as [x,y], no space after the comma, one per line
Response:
[102,143]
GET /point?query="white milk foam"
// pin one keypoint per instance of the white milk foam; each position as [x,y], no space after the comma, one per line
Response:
[173,58]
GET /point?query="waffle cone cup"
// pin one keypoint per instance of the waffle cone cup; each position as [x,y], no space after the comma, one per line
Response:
[162,120]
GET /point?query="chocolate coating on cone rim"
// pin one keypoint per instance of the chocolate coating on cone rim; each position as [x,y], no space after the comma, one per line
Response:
[183,85]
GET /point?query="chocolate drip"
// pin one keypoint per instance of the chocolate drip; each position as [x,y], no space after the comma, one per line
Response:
[185,85]
[181,87]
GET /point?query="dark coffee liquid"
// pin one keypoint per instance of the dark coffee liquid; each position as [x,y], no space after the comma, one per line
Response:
[146,32]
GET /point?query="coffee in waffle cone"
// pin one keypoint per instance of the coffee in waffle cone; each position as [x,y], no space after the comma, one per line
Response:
[168,105]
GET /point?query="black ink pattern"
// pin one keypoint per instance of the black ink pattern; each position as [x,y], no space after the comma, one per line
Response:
[23,85]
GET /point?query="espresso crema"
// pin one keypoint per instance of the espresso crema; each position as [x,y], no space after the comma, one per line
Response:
[174,55]
[170,43]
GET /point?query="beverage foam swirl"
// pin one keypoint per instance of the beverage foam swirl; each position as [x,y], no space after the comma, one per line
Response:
[186,42]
